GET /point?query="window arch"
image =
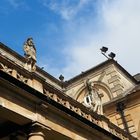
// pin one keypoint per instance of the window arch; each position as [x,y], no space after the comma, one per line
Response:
[102,88]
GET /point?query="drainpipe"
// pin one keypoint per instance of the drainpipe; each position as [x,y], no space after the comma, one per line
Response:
[120,110]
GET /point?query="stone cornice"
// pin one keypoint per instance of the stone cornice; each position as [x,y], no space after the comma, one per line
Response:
[129,94]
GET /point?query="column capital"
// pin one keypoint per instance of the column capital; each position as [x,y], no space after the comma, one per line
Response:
[37,129]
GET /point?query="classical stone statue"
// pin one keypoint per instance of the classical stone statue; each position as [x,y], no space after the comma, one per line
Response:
[98,102]
[93,98]
[30,53]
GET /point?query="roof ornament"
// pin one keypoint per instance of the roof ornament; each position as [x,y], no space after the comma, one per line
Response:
[30,54]
[93,99]
[61,78]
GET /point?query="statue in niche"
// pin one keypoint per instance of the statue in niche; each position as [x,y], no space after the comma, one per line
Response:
[93,98]
[30,54]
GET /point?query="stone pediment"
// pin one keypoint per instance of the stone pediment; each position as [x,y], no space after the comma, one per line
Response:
[109,78]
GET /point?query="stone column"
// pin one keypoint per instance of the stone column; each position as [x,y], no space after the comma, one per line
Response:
[36,132]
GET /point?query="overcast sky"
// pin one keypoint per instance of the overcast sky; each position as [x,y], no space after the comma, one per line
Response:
[68,34]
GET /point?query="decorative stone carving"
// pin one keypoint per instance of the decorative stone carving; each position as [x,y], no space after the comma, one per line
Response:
[30,54]
[5,68]
[70,106]
[93,98]
[96,120]
[14,73]
[22,78]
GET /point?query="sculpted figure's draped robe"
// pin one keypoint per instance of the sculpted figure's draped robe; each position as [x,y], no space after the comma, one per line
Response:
[30,54]
[29,48]
[93,98]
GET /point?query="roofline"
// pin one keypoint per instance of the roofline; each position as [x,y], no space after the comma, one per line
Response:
[49,76]
[134,91]
[93,69]
[126,72]
[12,52]
[66,83]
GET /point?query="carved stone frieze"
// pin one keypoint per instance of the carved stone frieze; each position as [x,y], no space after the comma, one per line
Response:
[5,68]
[70,106]
[22,78]
[91,118]
[13,73]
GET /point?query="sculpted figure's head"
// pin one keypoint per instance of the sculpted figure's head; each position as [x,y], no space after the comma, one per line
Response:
[30,41]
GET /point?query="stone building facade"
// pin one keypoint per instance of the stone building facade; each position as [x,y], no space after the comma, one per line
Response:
[36,106]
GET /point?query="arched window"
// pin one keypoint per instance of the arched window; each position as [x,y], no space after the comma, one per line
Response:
[88,100]
[100,88]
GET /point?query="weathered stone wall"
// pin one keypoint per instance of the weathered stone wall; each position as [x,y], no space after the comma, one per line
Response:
[109,78]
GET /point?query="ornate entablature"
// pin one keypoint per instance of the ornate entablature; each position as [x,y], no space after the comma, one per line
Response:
[99,120]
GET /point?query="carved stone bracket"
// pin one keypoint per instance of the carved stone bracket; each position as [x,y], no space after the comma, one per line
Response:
[5,68]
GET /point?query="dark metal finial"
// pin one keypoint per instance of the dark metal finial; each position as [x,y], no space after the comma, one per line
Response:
[61,78]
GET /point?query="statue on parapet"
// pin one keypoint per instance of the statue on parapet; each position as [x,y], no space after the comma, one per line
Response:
[93,98]
[30,54]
